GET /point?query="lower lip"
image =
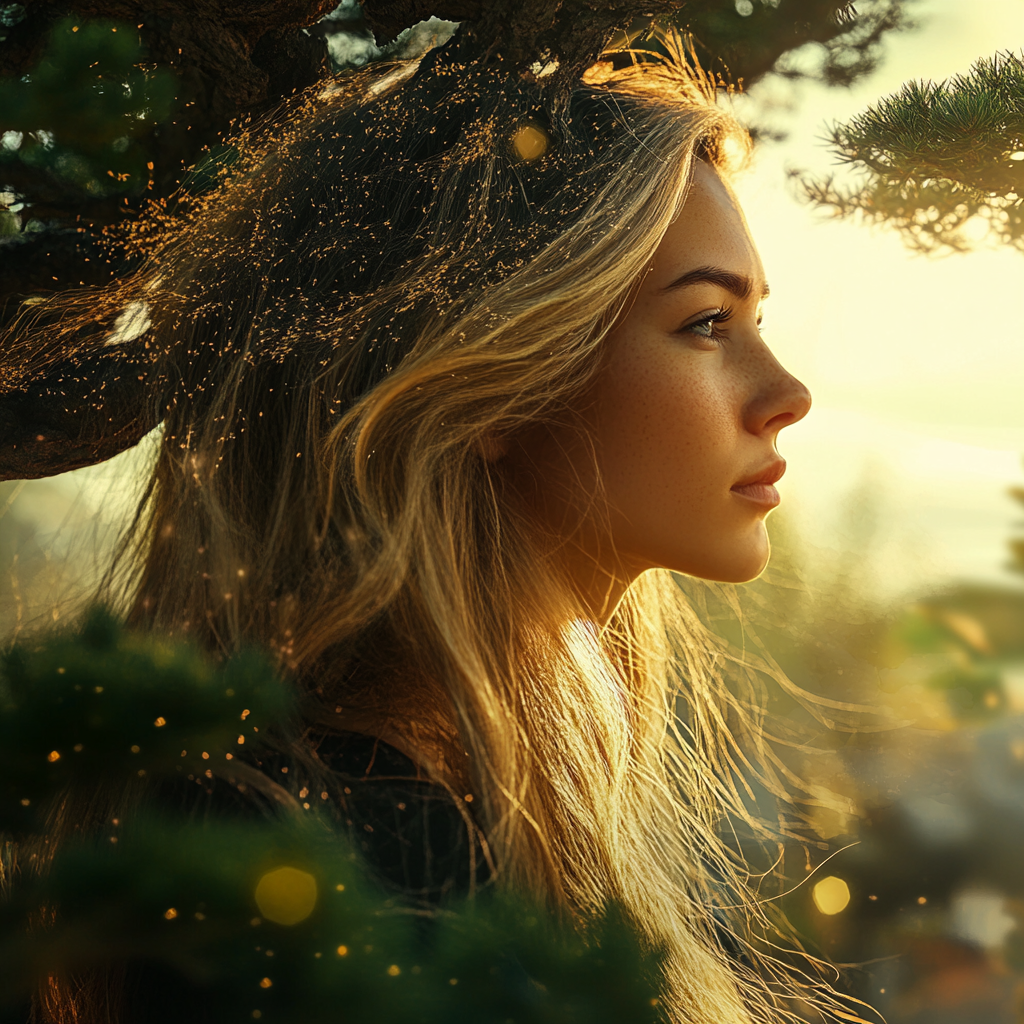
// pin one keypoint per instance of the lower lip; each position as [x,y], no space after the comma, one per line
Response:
[760,494]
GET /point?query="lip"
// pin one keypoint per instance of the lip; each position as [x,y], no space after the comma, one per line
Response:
[759,488]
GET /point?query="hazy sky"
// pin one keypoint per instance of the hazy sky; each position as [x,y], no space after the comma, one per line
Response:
[916,364]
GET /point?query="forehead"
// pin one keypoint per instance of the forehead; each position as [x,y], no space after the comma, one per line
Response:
[710,231]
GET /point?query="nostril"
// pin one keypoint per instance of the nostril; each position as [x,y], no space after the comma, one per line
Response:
[783,419]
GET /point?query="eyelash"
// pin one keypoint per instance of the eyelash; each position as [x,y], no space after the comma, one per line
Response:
[710,319]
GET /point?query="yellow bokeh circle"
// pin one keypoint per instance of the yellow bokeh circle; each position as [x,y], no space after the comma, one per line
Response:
[831,895]
[530,142]
[286,895]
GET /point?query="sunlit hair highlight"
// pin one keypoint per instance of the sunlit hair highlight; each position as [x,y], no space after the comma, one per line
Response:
[382,286]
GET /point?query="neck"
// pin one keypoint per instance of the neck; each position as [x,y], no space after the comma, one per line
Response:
[599,583]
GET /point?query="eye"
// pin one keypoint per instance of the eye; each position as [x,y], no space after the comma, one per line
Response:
[706,324]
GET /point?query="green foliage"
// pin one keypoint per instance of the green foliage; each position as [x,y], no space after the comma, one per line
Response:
[103,704]
[189,896]
[754,38]
[936,156]
[974,691]
[80,115]
[185,896]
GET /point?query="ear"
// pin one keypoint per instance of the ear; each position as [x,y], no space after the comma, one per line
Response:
[492,447]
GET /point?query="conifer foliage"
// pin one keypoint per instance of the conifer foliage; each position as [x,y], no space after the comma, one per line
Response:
[938,160]
[265,916]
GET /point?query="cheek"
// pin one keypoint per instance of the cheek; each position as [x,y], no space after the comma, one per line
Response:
[664,426]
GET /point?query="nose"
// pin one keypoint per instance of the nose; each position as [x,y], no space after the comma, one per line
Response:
[779,400]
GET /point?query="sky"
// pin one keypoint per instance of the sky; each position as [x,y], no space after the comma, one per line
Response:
[916,364]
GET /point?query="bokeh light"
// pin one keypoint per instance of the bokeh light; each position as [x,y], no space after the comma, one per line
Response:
[530,142]
[286,895]
[831,895]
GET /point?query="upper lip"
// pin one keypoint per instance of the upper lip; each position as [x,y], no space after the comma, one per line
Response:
[771,474]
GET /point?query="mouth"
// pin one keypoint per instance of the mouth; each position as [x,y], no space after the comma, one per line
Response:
[760,487]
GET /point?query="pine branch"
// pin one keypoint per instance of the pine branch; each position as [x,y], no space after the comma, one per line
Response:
[935,157]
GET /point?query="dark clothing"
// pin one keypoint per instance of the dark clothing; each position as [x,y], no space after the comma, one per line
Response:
[416,840]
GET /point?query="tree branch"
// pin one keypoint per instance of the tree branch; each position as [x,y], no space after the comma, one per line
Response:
[77,415]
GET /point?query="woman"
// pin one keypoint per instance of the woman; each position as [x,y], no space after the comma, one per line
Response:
[449,382]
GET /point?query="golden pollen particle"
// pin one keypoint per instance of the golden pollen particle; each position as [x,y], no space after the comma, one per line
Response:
[286,895]
[160,721]
[343,951]
[922,900]
[266,983]
[53,755]
[831,895]
[135,748]
[394,970]
[530,142]
[170,913]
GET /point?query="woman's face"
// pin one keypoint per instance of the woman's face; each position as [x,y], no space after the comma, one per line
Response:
[685,413]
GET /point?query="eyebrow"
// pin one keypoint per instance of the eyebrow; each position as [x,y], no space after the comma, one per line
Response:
[739,284]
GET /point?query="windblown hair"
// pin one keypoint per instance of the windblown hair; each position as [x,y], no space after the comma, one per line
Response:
[405,265]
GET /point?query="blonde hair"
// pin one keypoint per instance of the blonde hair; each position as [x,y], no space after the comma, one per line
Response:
[383,283]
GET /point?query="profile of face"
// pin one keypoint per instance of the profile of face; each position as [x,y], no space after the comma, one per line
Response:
[684,416]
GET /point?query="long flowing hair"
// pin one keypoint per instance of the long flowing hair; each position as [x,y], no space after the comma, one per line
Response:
[403,266]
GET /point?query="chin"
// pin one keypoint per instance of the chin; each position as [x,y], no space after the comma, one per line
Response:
[734,564]
[740,574]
